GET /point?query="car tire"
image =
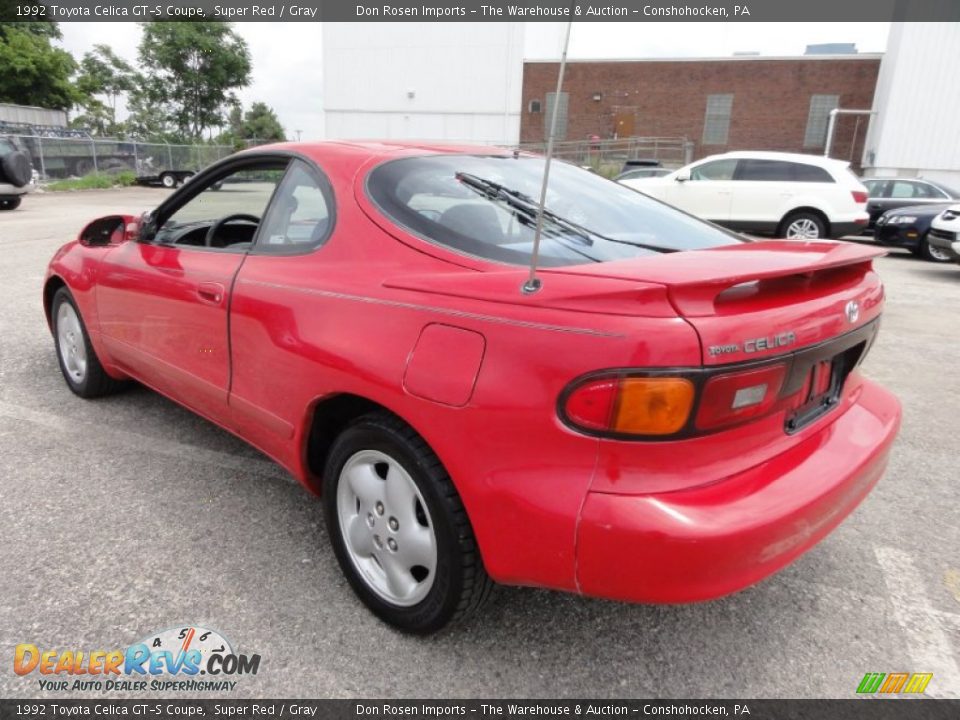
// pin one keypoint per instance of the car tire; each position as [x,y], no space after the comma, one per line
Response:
[803,225]
[933,254]
[10,203]
[168,180]
[399,529]
[79,363]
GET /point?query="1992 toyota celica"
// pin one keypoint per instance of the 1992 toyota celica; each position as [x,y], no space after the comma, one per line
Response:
[675,414]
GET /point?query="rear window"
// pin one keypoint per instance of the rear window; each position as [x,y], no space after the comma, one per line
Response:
[485,206]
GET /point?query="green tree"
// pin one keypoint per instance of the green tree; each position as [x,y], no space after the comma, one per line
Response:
[261,123]
[191,70]
[34,71]
[103,74]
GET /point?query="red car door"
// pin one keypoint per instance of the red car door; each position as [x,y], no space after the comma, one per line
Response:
[163,301]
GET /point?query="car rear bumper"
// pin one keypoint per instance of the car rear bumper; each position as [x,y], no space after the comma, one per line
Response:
[715,539]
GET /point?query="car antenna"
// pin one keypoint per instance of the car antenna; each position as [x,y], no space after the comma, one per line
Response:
[533,283]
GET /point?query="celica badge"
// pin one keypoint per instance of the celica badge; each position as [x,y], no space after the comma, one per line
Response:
[771,342]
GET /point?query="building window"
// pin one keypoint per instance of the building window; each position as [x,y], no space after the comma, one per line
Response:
[820,107]
[534,106]
[561,132]
[716,123]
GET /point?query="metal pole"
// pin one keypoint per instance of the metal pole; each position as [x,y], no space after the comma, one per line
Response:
[43,166]
[93,146]
[533,282]
[830,125]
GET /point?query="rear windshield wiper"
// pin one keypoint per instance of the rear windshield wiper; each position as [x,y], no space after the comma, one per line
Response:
[527,205]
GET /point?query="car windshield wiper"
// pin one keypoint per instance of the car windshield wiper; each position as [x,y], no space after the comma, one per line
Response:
[526,204]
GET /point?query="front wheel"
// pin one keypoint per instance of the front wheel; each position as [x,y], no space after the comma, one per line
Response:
[803,226]
[9,203]
[933,253]
[168,180]
[398,528]
[79,364]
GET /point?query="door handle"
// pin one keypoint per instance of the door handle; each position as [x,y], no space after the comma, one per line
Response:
[211,292]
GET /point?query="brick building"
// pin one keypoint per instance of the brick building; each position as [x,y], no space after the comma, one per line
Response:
[735,103]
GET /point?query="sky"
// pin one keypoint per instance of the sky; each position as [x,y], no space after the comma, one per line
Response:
[287,57]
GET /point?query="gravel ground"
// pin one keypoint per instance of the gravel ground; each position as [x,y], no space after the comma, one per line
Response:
[130,515]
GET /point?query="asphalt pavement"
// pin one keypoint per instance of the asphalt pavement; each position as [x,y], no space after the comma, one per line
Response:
[128,515]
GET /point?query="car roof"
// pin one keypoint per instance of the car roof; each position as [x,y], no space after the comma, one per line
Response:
[365,149]
[784,156]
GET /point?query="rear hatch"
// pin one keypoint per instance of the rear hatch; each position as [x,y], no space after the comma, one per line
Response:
[756,300]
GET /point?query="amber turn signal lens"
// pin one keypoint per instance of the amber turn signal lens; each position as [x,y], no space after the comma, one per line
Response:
[652,405]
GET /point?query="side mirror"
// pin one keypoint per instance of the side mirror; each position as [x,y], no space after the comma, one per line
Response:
[682,175]
[109,230]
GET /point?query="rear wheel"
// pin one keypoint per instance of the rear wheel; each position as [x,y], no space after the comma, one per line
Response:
[79,364]
[398,527]
[932,253]
[803,226]
[168,180]
[9,203]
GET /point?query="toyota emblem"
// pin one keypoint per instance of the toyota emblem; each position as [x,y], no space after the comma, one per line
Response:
[852,311]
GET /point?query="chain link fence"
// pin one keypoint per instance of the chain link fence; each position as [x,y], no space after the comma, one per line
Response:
[609,156]
[56,158]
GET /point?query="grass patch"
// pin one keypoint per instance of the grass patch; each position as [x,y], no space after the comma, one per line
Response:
[94,181]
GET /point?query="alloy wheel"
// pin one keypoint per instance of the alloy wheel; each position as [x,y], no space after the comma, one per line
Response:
[71,343]
[803,229]
[386,528]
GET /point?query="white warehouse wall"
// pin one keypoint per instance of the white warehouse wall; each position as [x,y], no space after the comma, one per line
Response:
[916,131]
[438,81]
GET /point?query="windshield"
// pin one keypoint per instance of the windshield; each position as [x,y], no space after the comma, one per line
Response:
[486,206]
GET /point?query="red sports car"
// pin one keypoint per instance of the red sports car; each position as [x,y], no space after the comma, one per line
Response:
[673,415]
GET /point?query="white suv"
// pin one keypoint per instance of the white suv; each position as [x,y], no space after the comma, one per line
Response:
[786,194]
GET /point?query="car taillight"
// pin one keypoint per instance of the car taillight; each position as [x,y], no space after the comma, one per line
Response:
[734,397]
[630,405]
[859,196]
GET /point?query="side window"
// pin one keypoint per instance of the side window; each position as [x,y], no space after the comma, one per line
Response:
[241,197]
[716,170]
[810,173]
[874,187]
[925,190]
[903,189]
[765,170]
[301,215]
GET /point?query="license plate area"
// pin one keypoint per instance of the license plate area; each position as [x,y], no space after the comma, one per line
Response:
[821,383]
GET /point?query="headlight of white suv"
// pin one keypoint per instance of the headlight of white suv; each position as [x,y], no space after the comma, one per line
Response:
[902,219]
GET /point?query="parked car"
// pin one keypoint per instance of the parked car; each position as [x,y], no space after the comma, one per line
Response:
[666,416]
[637,163]
[787,195]
[16,174]
[908,227]
[944,235]
[892,193]
[642,172]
